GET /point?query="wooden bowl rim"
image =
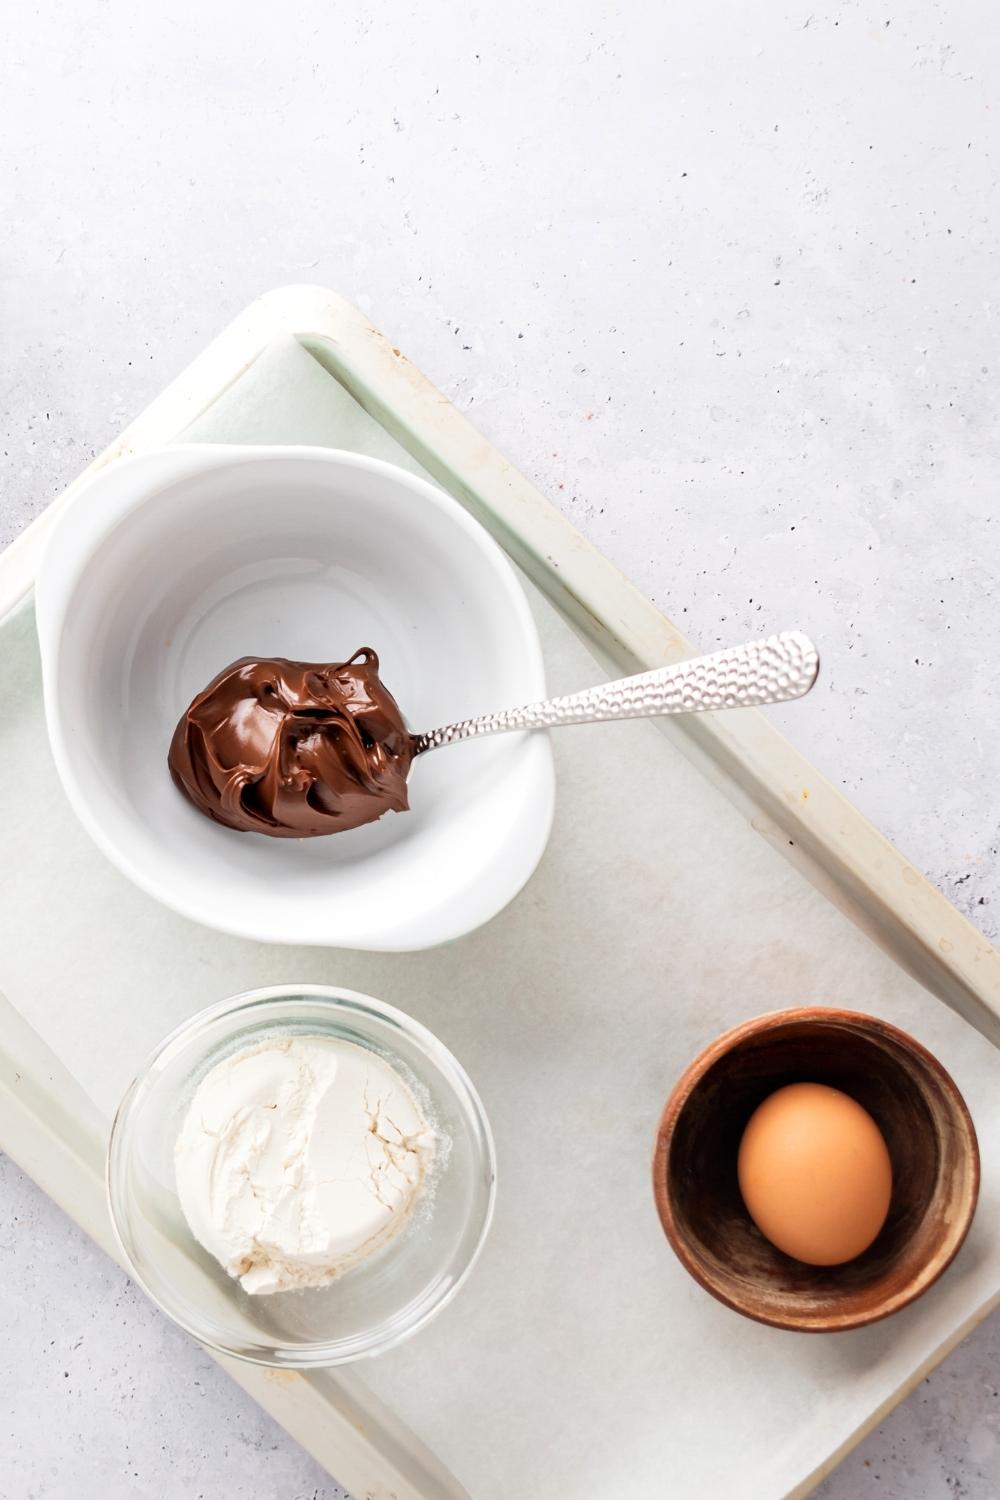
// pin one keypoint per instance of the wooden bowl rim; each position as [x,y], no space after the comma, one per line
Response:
[772,1021]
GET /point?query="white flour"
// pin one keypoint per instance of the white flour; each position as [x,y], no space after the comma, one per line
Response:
[298,1158]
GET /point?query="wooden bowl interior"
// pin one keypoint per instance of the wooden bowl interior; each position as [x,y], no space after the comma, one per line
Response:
[931,1144]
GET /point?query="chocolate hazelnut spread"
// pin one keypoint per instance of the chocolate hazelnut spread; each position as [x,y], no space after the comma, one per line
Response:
[293,749]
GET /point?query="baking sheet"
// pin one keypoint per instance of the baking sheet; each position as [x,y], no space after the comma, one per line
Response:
[580,1357]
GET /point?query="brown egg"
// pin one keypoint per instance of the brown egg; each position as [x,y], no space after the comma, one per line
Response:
[815,1174]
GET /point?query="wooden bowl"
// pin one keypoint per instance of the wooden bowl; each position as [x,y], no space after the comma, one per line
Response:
[927,1128]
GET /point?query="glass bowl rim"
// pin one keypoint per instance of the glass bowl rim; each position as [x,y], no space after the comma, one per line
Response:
[340,1001]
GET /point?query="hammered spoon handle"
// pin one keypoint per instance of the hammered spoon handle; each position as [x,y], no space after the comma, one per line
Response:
[765,671]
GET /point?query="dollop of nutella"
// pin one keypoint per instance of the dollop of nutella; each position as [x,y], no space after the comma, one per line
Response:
[294,749]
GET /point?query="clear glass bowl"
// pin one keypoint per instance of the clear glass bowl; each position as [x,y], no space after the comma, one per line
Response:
[372,1306]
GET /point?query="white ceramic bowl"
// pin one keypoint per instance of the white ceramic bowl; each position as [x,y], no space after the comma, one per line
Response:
[171,565]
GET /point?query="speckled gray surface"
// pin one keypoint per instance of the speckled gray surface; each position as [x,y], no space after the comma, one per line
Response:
[723,282]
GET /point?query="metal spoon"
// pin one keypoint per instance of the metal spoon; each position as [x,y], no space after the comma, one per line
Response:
[769,671]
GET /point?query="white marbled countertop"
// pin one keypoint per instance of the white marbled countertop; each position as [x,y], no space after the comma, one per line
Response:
[722,281]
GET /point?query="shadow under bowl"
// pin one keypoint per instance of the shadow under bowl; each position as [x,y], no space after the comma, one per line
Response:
[927,1128]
